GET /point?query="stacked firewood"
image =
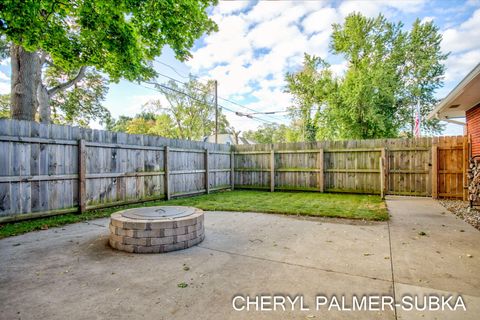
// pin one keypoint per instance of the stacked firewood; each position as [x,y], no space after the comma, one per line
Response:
[474,182]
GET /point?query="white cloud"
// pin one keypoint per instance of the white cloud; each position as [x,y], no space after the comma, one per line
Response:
[406,6]
[367,8]
[267,10]
[4,88]
[229,7]
[427,19]
[458,65]
[386,7]
[4,77]
[224,46]
[464,37]
[266,35]
[321,20]
[339,69]
[258,43]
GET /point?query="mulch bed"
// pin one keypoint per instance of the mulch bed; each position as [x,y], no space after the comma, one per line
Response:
[462,210]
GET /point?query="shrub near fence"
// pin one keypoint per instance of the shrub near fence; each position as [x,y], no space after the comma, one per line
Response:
[52,169]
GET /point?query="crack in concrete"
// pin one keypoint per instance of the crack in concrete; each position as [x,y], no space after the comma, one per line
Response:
[294,264]
[94,224]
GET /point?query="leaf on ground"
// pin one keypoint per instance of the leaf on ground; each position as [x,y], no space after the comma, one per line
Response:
[182,285]
[366,254]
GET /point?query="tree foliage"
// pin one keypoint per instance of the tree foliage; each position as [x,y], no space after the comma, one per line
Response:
[389,71]
[272,133]
[118,38]
[4,106]
[186,112]
[82,102]
[191,107]
[77,105]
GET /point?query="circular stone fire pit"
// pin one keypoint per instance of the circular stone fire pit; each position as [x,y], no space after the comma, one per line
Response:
[156,229]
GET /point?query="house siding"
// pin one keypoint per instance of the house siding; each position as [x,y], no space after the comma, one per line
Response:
[473,128]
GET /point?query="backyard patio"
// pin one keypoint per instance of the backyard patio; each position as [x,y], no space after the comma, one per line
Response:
[204,159]
[72,272]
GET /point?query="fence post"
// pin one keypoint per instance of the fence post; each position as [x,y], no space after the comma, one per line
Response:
[434,171]
[207,172]
[272,171]
[82,166]
[320,175]
[166,173]
[385,170]
[382,177]
[232,170]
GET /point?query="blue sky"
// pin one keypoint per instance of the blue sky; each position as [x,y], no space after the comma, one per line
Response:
[258,42]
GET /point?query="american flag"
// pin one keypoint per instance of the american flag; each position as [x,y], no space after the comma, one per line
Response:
[416,130]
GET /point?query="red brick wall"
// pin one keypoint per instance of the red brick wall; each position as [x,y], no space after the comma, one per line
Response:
[473,128]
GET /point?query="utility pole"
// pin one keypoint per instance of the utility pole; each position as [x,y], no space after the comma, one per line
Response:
[216,113]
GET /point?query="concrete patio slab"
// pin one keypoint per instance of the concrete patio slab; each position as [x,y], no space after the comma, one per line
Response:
[71,272]
[444,261]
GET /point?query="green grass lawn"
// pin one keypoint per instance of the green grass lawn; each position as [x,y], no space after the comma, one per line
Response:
[351,206]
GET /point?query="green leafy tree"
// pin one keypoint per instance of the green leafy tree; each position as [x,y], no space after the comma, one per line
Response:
[191,108]
[4,106]
[268,133]
[423,74]
[188,113]
[312,87]
[119,125]
[163,126]
[119,38]
[389,71]
[80,103]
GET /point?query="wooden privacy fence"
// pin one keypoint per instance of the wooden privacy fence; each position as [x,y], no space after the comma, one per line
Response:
[52,169]
[415,167]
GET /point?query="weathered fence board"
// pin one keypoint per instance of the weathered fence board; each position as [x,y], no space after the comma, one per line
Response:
[353,166]
[52,169]
[452,163]
[42,171]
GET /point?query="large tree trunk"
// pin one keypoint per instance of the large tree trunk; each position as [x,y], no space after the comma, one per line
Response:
[43,103]
[24,90]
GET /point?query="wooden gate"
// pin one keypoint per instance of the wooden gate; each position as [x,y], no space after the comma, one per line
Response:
[449,168]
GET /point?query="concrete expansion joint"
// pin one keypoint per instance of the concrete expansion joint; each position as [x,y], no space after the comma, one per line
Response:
[391,269]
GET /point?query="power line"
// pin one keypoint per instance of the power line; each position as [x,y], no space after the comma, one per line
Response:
[247,108]
[172,89]
[224,99]
[174,70]
[198,100]
[207,92]
[184,83]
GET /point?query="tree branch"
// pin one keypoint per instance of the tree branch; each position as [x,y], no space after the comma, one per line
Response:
[69,83]
[50,63]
